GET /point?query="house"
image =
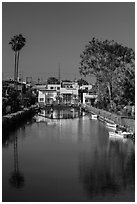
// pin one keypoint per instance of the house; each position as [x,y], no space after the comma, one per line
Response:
[87,94]
[69,84]
[69,91]
[69,95]
[41,97]
[86,87]
[48,93]
[89,98]
[46,96]
[66,92]
[54,87]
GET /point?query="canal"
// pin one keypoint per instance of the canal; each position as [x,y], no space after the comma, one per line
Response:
[65,156]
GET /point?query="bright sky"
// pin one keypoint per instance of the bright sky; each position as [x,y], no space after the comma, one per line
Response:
[58,32]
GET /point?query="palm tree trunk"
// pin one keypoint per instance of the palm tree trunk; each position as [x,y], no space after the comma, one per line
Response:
[15,71]
[17,67]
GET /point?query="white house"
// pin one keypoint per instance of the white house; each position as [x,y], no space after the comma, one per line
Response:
[88,98]
[67,92]
[41,96]
[86,87]
[48,94]
[87,94]
[54,87]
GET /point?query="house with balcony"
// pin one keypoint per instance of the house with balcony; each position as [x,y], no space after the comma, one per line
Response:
[66,92]
[89,98]
[69,95]
[69,92]
[54,87]
[48,94]
[87,94]
[86,87]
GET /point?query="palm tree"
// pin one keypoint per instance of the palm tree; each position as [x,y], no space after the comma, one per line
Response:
[17,43]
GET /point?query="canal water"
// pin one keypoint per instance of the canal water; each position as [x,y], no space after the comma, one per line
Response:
[50,158]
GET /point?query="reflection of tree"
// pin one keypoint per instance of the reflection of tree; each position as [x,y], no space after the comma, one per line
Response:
[108,172]
[17,178]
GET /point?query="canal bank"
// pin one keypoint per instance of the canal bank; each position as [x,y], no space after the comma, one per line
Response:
[11,121]
[105,116]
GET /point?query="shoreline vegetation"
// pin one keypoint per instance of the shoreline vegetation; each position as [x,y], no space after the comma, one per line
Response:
[13,120]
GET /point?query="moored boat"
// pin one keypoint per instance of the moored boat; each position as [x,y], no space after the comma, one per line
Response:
[94,116]
[111,125]
[126,134]
[119,134]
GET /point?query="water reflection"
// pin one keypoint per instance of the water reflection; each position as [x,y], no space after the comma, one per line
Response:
[67,160]
[108,172]
[17,178]
[68,113]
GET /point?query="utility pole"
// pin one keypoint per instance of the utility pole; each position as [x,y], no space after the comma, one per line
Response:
[59,82]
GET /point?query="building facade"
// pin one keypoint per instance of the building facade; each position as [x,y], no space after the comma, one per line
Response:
[67,92]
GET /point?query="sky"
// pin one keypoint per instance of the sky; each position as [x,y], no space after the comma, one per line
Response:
[57,32]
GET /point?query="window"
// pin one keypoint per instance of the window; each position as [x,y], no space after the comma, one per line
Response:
[51,87]
[58,88]
[41,99]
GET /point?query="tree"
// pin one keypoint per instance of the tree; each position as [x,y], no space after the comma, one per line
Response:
[109,62]
[17,43]
[125,84]
[53,80]
[82,82]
